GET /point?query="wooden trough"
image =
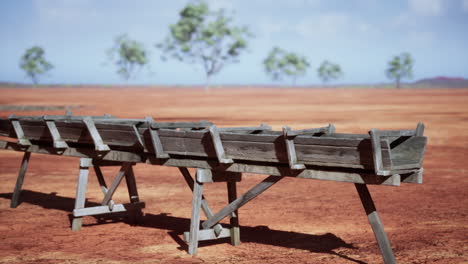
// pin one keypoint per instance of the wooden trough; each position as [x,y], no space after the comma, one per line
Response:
[218,154]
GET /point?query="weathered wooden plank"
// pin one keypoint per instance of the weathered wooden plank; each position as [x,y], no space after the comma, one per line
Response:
[413,177]
[104,209]
[208,234]
[377,153]
[20,179]
[376,224]
[334,174]
[242,200]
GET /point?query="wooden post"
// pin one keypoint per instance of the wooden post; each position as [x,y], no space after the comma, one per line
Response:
[234,220]
[195,220]
[19,181]
[376,224]
[80,199]
[135,215]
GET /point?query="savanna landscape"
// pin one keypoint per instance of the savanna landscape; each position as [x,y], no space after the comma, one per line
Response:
[296,221]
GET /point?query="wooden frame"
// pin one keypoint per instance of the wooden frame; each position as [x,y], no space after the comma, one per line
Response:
[219,155]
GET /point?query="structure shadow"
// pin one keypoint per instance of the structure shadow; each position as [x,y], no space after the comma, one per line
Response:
[176,226]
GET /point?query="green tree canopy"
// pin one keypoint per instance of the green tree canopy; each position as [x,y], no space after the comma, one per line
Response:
[400,67]
[34,63]
[280,63]
[128,55]
[329,71]
[206,38]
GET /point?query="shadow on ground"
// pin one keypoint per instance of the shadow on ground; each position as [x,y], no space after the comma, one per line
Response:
[175,226]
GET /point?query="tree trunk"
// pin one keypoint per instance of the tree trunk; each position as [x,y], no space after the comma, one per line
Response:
[294,81]
[398,85]
[207,83]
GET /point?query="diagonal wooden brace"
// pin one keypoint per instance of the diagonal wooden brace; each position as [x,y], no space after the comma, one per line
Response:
[58,142]
[155,140]
[218,145]
[22,140]
[115,183]
[242,200]
[98,142]
[291,149]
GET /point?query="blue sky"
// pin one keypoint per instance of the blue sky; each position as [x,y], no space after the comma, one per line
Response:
[360,35]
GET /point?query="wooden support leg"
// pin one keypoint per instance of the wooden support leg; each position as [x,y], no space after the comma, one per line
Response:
[232,196]
[136,215]
[195,220]
[19,181]
[80,199]
[376,224]
[204,204]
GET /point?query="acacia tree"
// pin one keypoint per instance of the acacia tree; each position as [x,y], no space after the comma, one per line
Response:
[206,38]
[280,63]
[329,71]
[128,55]
[34,63]
[400,67]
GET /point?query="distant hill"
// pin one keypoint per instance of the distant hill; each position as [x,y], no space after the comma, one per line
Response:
[442,82]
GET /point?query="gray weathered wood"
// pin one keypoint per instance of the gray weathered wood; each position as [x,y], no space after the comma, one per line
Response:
[376,224]
[245,198]
[234,220]
[291,149]
[195,219]
[131,185]
[20,179]
[98,143]
[157,146]
[22,140]
[104,209]
[218,145]
[355,176]
[80,197]
[57,140]
[204,203]
[208,234]
[116,182]
[377,153]
[419,130]
[217,176]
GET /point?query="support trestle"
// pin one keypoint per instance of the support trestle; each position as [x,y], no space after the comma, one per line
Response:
[211,228]
[107,205]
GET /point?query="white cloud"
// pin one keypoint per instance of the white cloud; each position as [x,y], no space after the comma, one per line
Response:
[465,5]
[427,7]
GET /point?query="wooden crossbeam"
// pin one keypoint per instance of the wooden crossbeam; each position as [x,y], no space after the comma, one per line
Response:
[242,200]
[218,146]
[208,234]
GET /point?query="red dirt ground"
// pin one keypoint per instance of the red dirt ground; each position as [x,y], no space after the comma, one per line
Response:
[296,221]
